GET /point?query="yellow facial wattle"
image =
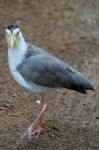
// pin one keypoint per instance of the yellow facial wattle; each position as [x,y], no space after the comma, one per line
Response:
[16,41]
[13,41]
[12,38]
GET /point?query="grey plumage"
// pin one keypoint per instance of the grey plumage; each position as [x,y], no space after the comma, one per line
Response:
[44,69]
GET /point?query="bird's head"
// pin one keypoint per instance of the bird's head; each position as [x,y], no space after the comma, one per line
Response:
[12,35]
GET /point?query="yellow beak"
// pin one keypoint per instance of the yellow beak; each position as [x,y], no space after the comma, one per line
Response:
[12,41]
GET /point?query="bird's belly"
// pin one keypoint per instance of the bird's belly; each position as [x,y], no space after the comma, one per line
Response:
[26,84]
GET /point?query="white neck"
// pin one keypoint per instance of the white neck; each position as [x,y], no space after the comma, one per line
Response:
[16,54]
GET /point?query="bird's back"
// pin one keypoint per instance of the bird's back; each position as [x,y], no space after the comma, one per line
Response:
[34,50]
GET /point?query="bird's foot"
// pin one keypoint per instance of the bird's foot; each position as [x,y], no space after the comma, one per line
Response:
[31,129]
[30,132]
[37,132]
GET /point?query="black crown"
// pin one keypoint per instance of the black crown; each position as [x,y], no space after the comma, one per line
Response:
[12,27]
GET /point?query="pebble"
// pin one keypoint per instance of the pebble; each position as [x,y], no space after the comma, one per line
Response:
[38,102]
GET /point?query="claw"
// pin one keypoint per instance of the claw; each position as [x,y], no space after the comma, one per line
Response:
[39,131]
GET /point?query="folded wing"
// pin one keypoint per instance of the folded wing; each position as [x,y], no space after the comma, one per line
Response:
[47,70]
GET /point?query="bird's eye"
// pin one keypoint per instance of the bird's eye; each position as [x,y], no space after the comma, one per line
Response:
[17,33]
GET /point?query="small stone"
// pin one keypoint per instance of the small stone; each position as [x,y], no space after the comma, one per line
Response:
[57,91]
[38,102]
[14,95]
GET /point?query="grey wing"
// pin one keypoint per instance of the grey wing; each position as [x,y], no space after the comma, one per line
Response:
[34,50]
[46,70]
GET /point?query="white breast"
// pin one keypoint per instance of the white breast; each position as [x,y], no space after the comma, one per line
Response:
[15,57]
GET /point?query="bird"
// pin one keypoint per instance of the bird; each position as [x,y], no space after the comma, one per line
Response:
[39,71]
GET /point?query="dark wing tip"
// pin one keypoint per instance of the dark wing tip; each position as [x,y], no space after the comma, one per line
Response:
[92,88]
[79,82]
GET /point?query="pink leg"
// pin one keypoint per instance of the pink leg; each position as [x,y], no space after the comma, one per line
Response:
[39,117]
[40,125]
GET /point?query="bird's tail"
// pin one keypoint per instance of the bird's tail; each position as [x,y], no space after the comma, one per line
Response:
[80,83]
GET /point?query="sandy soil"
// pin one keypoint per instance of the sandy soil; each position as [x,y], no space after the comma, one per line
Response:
[69,30]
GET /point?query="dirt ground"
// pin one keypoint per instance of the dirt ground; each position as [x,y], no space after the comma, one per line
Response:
[68,29]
